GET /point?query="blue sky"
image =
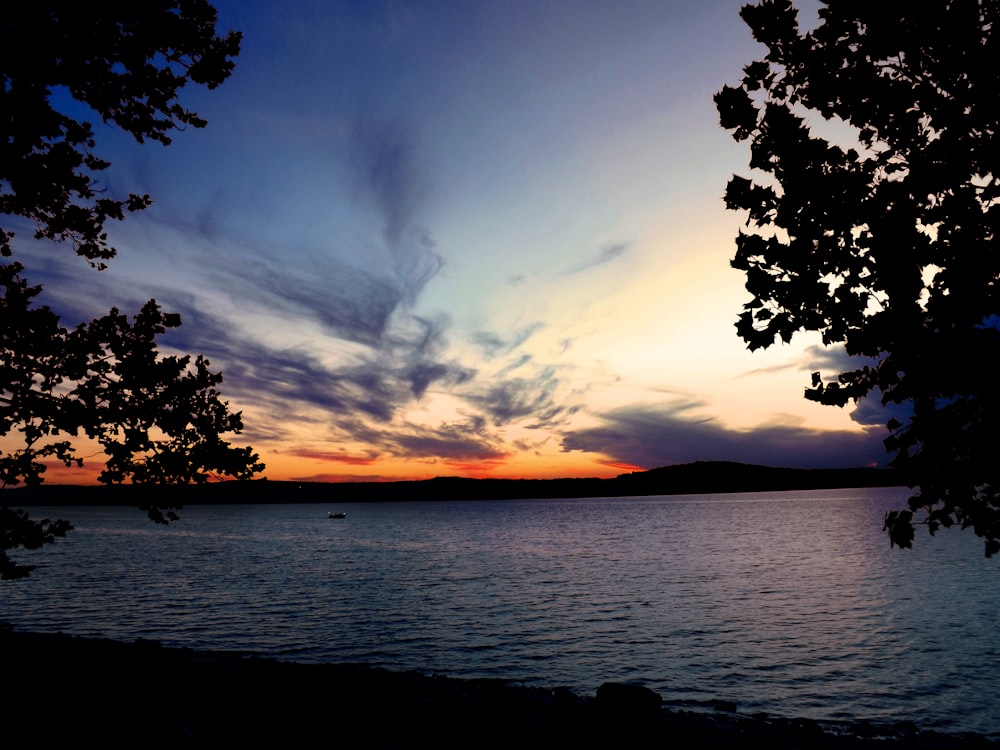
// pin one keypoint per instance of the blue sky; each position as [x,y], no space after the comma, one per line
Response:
[479,238]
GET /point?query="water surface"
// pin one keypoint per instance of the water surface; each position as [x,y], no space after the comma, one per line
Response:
[790,603]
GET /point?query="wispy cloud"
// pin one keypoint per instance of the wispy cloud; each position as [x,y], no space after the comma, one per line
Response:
[464,443]
[389,176]
[336,457]
[375,383]
[515,399]
[492,344]
[606,255]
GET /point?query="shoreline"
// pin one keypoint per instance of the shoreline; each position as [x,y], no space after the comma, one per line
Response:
[69,691]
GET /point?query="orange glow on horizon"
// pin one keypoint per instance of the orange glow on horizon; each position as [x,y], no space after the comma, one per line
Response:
[313,466]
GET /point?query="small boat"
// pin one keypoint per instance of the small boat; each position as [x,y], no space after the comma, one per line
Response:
[331,514]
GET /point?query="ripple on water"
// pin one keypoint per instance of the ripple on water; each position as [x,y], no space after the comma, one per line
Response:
[788,603]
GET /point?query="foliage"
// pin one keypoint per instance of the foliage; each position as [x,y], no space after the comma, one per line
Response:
[159,419]
[881,234]
[18,530]
[127,62]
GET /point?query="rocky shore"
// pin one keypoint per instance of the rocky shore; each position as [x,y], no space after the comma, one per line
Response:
[59,691]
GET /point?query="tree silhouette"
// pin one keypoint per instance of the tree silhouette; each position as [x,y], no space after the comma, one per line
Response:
[872,219]
[158,418]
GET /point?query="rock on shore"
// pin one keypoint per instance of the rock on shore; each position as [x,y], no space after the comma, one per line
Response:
[59,691]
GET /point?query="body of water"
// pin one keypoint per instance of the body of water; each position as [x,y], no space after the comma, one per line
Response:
[789,603]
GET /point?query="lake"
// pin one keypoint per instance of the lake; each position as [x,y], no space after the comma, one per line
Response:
[789,603]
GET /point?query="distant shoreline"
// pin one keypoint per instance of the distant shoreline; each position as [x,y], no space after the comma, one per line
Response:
[701,477]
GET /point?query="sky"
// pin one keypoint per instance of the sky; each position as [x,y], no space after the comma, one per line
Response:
[487,239]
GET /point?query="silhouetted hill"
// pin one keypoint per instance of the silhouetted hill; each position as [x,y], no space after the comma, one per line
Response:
[728,476]
[685,479]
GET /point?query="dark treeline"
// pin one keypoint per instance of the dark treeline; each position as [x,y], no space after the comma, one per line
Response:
[695,478]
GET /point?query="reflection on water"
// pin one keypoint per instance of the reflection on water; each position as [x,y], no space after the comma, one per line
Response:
[790,603]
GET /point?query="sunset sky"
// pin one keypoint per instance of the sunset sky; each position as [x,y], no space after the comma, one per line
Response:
[479,238]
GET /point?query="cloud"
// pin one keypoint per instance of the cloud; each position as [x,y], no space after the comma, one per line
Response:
[606,255]
[770,370]
[830,359]
[869,410]
[515,399]
[522,361]
[396,357]
[348,299]
[493,344]
[390,178]
[652,436]
[387,171]
[357,290]
[363,299]
[348,302]
[490,342]
[825,359]
[360,402]
[330,457]
[465,443]
[289,382]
